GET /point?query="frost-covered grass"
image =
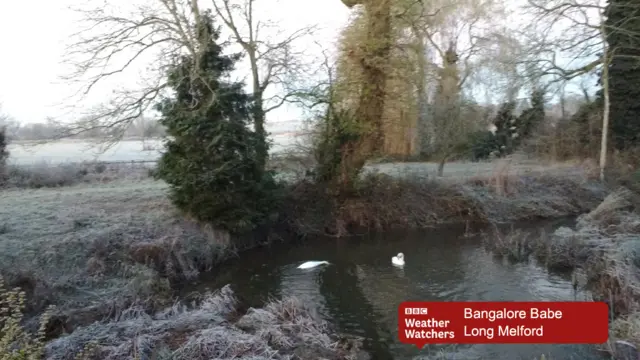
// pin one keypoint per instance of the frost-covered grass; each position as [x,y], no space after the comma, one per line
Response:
[283,329]
[43,174]
[92,249]
[99,247]
[115,242]
[603,250]
[406,200]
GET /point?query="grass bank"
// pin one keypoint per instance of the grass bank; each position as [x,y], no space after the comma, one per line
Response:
[98,248]
[47,175]
[213,329]
[382,202]
[603,251]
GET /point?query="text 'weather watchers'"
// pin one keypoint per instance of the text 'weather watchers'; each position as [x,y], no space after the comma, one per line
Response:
[422,323]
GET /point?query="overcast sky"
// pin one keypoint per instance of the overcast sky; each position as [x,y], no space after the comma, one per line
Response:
[33,35]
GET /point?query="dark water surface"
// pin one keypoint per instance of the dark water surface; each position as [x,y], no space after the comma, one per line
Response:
[360,291]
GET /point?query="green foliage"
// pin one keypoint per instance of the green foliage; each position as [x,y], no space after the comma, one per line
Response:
[211,161]
[587,126]
[339,129]
[624,73]
[15,342]
[531,117]
[505,122]
[482,144]
[511,131]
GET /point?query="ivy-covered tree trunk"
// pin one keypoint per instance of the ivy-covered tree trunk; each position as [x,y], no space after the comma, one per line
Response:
[623,29]
[375,64]
[424,136]
[368,115]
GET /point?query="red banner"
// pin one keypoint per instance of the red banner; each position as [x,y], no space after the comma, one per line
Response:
[422,323]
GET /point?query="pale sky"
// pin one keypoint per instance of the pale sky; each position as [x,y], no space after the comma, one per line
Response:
[34,34]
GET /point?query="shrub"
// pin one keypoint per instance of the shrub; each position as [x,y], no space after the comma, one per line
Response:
[15,342]
[482,144]
[211,161]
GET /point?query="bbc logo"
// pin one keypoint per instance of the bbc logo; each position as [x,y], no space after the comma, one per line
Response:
[416,311]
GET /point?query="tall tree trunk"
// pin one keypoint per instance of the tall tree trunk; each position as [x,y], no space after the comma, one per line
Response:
[605,113]
[369,112]
[423,133]
[441,164]
[375,61]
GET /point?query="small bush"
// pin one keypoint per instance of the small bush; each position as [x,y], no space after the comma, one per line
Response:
[482,144]
[513,245]
[15,342]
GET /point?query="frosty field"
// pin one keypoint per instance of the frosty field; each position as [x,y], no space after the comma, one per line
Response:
[79,151]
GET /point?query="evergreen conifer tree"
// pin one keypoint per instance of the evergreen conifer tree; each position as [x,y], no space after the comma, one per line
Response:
[212,162]
[623,28]
[505,123]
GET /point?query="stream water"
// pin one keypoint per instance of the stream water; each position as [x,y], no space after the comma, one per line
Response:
[360,291]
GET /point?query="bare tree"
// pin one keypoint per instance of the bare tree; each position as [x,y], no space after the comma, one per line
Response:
[451,40]
[584,36]
[115,42]
[9,124]
[274,59]
[606,56]
[3,117]
[463,26]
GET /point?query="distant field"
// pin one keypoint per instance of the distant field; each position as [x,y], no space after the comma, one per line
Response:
[74,151]
[79,151]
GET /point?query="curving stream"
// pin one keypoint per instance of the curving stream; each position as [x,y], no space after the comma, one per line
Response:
[360,290]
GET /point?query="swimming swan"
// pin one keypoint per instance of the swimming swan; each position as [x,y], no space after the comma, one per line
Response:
[398,260]
[312,264]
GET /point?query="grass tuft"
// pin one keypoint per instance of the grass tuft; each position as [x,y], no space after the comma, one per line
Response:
[45,175]
[283,329]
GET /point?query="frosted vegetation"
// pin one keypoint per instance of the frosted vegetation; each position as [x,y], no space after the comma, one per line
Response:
[283,329]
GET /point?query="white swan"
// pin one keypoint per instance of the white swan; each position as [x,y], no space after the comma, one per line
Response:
[398,260]
[312,264]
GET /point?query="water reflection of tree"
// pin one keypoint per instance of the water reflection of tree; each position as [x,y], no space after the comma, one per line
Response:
[351,310]
[254,279]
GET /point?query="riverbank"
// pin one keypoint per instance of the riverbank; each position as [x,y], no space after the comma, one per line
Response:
[96,248]
[214,329]
[383,202]
[603,251]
